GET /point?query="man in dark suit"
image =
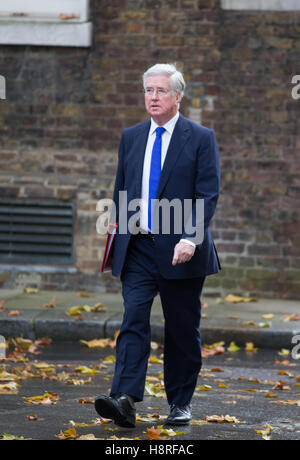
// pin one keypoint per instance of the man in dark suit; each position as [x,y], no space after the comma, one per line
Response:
[174,159]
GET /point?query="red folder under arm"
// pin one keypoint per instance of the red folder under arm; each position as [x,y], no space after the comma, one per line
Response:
[108,251]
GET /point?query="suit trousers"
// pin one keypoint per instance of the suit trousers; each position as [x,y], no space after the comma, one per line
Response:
[180,299]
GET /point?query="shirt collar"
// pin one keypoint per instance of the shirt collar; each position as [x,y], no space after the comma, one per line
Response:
[169,126]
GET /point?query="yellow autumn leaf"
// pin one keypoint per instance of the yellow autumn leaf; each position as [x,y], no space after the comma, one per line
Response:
[250,347]
[77,309]
[11,437]
[71,433]
[284,352]
[109,359]
[96,343]
[233,347]
[236,299]
[86,370]
[155,433]
[222,419]
[8,388]
[203,388]
[266,432]
[83,294]
[30,290]
[45,399]
[153,359]
[155,390]
[222,385]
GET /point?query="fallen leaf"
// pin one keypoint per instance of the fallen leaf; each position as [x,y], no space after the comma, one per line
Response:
[77,309]
[83,294]
[266,432]
[86,401]
[153,359]
[268,316]
[203,388]
[30,290]
[293,317]
[263,325]
[280,386]
[11,437]
[71,433]
[288,403]
[96,343]
[65,17]
[154,433]
[109,359]
[87,370]
[213,349]
[236,299]
[47,398]
[155,390]
[222,419]
[9,388]
[52,303]
[233,347]
[13,313]
[31,418]
[250,323]
[284,352]
[250,347]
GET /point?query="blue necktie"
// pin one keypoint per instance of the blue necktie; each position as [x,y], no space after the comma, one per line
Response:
[155,170]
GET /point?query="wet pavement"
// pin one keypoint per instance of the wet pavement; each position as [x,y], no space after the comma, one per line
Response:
[257,391]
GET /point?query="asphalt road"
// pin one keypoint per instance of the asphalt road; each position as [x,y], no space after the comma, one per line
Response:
[249,388]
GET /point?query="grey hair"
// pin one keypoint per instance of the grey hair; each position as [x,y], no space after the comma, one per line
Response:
[176,77]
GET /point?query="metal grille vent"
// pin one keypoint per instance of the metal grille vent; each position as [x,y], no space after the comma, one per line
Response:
[36,232]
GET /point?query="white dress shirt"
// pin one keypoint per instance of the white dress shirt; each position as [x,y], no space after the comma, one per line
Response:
[165,141]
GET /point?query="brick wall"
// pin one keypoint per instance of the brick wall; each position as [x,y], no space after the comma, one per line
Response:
[257,224]
[66,108]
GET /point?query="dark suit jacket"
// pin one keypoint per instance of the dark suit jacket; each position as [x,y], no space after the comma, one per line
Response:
[191,170]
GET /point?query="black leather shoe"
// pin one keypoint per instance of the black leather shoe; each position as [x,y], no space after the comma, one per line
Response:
[119,408]
[179,415]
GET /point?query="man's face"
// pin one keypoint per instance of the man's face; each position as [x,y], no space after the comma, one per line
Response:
[160,101]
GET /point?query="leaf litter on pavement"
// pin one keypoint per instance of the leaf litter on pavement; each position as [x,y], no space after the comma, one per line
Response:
[22,364]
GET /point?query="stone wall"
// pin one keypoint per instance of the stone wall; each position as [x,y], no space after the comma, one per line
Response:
[66,108]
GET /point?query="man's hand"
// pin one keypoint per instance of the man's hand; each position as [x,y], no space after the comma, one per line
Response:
[183,252]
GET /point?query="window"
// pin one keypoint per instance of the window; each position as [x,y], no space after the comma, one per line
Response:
[47,23]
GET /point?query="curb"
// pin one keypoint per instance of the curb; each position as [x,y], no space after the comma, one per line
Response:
[59,329]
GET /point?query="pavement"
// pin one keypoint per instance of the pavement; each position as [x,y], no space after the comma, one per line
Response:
[30,315]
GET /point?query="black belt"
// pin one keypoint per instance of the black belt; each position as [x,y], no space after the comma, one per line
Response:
[145,235]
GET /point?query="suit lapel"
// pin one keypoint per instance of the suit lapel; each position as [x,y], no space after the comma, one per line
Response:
[180,136]
[140,143]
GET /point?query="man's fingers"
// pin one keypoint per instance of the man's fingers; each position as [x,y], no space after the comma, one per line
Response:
[182,253]
[175,260]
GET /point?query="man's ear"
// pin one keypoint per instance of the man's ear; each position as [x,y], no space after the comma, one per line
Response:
[178,97]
